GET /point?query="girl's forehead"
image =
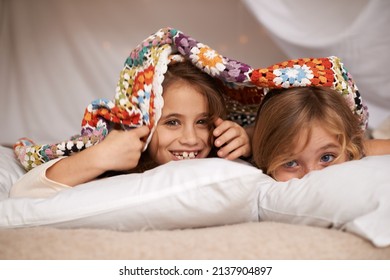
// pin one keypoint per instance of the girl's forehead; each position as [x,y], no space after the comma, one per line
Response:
[182,97]
[314,138]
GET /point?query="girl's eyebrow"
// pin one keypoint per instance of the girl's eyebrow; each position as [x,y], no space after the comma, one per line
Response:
[292,156]
[177,115]
[204,114]
[329,146]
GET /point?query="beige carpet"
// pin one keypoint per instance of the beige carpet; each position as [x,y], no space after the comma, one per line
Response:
[243,241]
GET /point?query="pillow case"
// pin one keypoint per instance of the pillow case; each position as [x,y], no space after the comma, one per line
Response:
[10,171]
[353,196]
[182,194]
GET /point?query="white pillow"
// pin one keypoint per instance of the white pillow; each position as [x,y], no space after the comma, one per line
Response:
[184,194]
[10,171]
[353,196]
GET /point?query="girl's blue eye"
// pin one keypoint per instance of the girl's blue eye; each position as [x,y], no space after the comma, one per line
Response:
[327,158]
[291,164]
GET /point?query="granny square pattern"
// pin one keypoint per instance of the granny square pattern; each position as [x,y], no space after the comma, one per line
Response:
[138,98]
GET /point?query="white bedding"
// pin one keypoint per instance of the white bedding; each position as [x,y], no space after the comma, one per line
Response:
[10,171]
[353,196]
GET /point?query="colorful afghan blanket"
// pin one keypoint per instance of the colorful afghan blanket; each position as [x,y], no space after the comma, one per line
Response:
[138,97]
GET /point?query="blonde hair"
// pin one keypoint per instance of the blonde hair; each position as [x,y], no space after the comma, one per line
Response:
[285,113]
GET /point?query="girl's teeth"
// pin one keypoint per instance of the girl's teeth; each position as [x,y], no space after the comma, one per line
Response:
[186,155]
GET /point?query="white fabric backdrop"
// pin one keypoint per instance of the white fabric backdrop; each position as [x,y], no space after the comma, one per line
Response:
[356,31]
[57,56]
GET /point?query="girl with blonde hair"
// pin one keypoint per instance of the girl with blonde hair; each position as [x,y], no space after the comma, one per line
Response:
[311,117]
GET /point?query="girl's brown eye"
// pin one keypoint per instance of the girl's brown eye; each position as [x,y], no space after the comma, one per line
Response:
[172,123]
[203,122]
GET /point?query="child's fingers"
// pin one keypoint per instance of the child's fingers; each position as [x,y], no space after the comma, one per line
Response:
[218,121]
[241,151]
[235,154]
[228,135]
[232,140]
[221,126]
[141,131]
[234,149]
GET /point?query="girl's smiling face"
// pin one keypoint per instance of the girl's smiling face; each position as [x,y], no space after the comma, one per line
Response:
[184,129]
[311,152]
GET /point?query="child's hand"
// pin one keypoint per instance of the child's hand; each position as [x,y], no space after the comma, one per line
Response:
[121,150]
[232,140]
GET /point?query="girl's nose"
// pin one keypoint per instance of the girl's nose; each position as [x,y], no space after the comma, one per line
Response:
[189,136]
[310,168]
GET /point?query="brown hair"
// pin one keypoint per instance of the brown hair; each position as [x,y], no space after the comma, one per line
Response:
[203,83]
[284,113]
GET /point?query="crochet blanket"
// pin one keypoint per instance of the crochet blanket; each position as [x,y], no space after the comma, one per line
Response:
[138,96]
